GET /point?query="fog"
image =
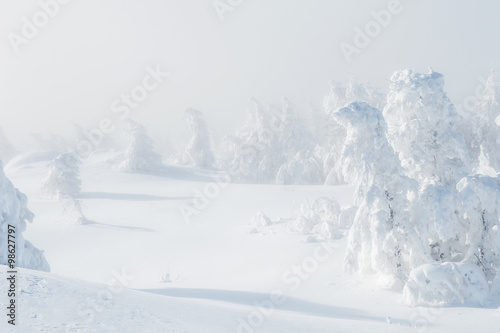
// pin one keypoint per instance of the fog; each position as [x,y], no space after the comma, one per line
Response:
[91,52]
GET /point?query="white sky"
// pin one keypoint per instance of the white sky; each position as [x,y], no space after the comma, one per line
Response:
[92,51]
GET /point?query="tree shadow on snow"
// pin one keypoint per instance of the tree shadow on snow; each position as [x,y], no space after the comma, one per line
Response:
[91,223]
[128,196]
[290,304]
[190,174]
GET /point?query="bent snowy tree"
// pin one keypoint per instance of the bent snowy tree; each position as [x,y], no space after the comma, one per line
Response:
[382,238]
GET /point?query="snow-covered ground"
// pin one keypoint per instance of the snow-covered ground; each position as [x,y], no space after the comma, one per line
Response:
[146,262]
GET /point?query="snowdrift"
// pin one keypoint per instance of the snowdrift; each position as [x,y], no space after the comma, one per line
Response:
[446,284]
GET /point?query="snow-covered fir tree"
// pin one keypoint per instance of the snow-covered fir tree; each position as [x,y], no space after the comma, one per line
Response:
[253,154]
[199,151]
[302,169]
[139,155]
[63,179]
[481,128]
[335,134]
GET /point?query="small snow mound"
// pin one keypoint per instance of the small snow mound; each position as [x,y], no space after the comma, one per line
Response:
[446,284]
[261,219]
[34,258]
[254,231]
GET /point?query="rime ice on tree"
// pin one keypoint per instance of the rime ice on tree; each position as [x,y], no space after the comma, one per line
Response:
[139,155]
[199,151]
[14,211]
[63,180]
[422,125]
[381,239]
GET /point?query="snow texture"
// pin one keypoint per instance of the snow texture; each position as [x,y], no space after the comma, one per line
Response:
[14,212]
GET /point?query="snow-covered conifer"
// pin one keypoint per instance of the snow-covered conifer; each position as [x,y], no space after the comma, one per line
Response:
[481,128]
[139,155]
[303,169]
[63,179]
[422,124]
[254,154]
[335,134]
[199,152]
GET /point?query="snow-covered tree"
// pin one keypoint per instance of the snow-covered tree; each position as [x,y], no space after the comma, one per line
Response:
[303,169]
[319,218]
[7,150]
[479,207]
[335,134]
[382,239]
[63,179]
[439,229]
[273,139]
[301,165]
[461,226]
[63,182]
[199,152]
[14,212]
[488,106]
[254,155]
[481,126]
[293,135]
[139,155]
[334,143]
[422,125]
[446,284]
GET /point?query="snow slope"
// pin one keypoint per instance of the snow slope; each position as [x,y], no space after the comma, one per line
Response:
[139,266]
